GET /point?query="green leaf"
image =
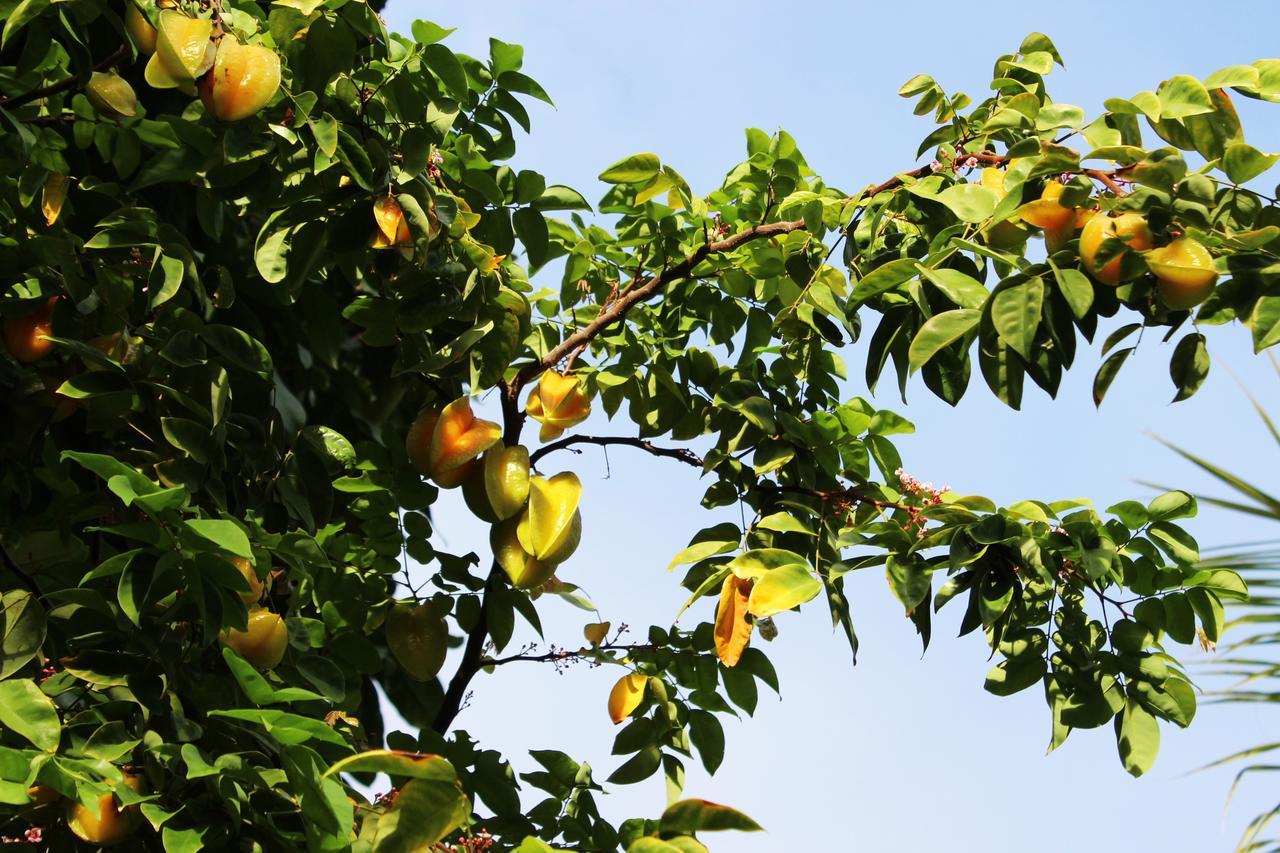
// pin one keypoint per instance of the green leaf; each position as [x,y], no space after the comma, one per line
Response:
[284,727]
[939,332]
[884,278]
[700,551]
[1138,738]
[425,812]
[633,169]
[256,687]
[1174,541]
[1207,606]
[504,57]
[1243,162]
[239,348]
[1015,674]
[708,737]
[534,845]
[397,763]
[1189,366]
[639,767]
[224,533]
[969,202]
[1108,372]
[1171,505]
[24,630]
[963,290]
[1015,312]
[1075,288]
[26,711]
[1183,96]
[781,589]
[425,32]
[21,15]
[691,816]
[557,197]
[109,742]
[756,563]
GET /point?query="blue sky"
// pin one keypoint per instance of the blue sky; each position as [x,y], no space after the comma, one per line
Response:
[901,752]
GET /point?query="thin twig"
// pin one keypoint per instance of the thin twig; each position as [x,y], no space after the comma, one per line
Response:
[566,654]
[678,453]
[62,85]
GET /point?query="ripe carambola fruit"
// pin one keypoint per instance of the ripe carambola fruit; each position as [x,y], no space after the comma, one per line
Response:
[392,230]
[111,95]
[418,638]
[26,336]
[499,486]
[551,525]
[1184,273]
[1130,227]
[524,570]
[183,52]
[441,445]
[1057,222]
[557,402]
[140,29]
[264,642]
[111,824]
[251,576]
[244,79]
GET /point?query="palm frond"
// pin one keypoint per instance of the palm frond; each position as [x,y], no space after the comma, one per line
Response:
[1249,659]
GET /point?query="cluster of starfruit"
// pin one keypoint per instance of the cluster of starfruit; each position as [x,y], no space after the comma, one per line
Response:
[1113,249]
[536,520]
[195,55]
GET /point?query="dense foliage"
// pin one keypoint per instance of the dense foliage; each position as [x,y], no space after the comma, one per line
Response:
[259,256]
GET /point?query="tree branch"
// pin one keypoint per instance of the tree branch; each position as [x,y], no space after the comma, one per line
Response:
[513,417]
[470,664]
[839,495]
[27,581]
[678,453]
[615,312]
[62,85]
[566,654]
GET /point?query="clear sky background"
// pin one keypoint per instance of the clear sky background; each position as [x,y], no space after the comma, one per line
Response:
[900,752]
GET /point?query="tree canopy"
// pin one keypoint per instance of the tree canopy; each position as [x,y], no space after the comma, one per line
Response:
[261,256]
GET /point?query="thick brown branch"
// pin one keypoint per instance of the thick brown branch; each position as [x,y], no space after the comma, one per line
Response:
[470,663]
[61,85]
[679,453]
[1107,180]
[641,292]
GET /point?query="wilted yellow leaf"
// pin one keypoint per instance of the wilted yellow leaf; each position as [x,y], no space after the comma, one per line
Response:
[732,628]
[54,194]
[626,696]
[596,632]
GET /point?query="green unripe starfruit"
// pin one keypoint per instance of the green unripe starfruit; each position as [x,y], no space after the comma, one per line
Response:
[524,570]
[183,52]
[418,639]
[551,525]
[499,487]
[111,95]
[140,29]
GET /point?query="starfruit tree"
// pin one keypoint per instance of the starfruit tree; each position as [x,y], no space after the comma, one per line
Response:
[258,260]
